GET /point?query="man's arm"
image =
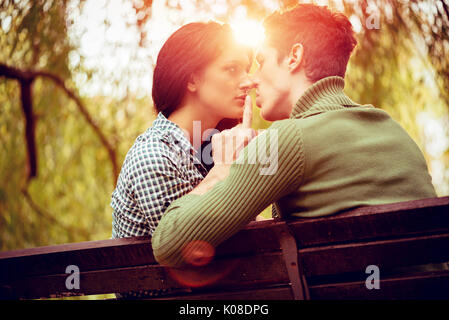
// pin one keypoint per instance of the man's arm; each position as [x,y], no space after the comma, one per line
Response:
[270,167]
[216,174]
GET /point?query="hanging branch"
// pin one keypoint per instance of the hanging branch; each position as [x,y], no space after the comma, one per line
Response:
[25,81]
[30,127]
[443,3]
[60,83]
[50,217]
[26,78]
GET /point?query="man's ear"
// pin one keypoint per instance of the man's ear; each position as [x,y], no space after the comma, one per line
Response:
[295,57]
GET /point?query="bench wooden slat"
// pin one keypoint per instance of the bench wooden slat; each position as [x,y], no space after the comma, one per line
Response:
[246,272]
[398,219]
[431,285]
[90,255]
[385,254]
[275,293]
[116,253]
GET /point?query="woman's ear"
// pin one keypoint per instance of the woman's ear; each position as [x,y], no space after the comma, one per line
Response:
[295,57]
[192,85]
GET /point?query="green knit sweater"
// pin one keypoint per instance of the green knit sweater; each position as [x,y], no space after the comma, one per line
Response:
[332,154]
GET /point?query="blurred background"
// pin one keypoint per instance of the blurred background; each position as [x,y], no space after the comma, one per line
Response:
[75,92]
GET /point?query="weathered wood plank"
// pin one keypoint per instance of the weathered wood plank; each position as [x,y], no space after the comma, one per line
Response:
[396,219]
[275,293]
[260,236]
[385,254]
[89,255]
[431,285]
[246,272]
[116,253]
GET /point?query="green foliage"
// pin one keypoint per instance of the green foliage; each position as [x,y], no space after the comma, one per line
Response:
[69,200]
[396,67]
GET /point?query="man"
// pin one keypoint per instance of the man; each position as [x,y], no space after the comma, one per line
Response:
[331,153]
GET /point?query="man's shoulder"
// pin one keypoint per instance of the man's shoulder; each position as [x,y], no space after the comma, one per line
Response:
[280,133]
[286,127]
[284,124]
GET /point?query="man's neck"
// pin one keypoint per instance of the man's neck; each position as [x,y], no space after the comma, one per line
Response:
[324,95]
[300,84]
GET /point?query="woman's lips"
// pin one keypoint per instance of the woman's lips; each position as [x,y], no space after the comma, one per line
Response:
[241,99]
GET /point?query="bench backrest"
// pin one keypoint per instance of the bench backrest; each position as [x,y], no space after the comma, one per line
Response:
[306,258]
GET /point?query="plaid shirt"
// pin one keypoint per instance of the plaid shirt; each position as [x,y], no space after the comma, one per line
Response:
[160,167]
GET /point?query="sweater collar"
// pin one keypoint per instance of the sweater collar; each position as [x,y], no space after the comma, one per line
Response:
[324,95]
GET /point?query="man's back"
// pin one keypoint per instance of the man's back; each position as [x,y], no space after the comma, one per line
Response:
[355,156]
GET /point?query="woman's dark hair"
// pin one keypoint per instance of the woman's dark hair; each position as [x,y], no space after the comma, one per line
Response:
[187,51]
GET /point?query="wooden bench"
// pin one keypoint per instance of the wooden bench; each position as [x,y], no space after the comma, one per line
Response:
[320,258]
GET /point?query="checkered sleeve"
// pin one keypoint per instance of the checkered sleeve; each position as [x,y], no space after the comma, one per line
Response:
[156,181]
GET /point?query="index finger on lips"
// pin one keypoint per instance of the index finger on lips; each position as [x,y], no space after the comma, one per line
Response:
[247,113]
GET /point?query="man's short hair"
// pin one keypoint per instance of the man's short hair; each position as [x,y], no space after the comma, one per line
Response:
[327,37]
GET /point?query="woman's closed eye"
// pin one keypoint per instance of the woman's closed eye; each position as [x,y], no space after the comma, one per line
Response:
[234,69]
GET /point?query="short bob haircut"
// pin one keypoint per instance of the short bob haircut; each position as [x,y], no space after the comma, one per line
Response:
[327,37]
[186,52]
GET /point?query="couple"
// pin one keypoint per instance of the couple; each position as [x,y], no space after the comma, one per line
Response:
[332,153]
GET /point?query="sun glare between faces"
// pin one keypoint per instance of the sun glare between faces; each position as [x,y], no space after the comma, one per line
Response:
[248,32]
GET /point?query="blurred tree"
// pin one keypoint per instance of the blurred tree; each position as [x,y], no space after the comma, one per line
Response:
[34,54]
[401,64]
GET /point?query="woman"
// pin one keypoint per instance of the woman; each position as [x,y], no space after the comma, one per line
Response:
[199,81]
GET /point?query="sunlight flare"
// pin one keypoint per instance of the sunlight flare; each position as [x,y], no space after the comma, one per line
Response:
[248,32]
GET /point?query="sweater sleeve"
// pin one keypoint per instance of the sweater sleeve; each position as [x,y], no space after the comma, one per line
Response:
[270,167]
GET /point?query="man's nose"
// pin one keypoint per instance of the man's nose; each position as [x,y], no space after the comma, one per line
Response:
[249,83]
